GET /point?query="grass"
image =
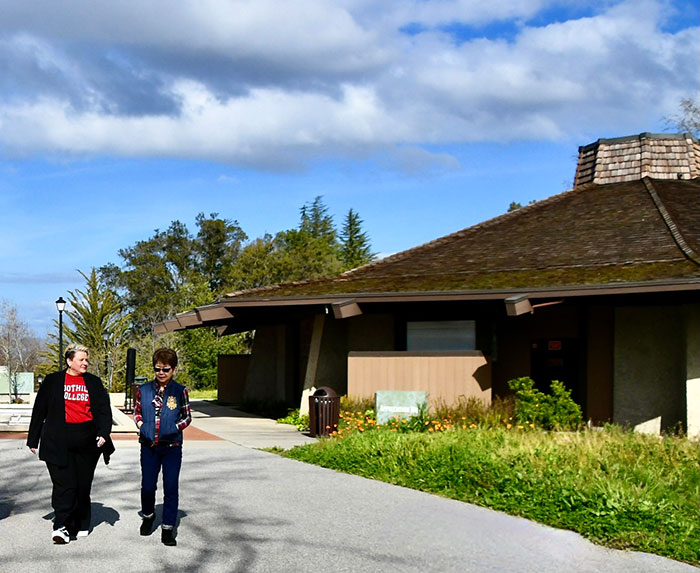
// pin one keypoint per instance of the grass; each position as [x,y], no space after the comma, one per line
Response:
[203,394]
[617,488]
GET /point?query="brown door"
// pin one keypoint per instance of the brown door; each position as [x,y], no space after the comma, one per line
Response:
[556,359]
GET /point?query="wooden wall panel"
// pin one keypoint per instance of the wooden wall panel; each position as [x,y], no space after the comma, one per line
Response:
[444,375]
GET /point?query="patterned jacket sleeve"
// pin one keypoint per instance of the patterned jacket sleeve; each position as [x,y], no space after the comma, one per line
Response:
[185,412]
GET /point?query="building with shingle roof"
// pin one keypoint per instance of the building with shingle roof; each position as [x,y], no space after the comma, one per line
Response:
[598,287]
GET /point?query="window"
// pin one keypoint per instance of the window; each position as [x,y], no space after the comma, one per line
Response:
[441,335]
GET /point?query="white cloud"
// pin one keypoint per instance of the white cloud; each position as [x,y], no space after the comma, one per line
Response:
[260,84]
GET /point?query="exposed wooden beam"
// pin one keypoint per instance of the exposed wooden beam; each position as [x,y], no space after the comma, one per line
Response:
[346,309]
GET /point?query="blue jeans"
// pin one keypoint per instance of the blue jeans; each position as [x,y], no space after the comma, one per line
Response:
[152,459]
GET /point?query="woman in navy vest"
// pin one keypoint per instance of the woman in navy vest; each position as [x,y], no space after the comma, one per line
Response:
[161,413]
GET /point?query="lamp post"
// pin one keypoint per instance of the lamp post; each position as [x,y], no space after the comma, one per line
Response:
[105,337]
[60,305]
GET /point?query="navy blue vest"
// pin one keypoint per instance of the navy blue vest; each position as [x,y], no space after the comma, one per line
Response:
[169,415]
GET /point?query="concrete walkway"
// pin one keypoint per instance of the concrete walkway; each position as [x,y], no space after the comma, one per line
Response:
[245,429]
[245,510]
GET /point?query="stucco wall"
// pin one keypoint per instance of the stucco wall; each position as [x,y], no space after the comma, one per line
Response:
[332,360]
[649,366]
[264,373]
[338,337]
[692,314]
[232,372]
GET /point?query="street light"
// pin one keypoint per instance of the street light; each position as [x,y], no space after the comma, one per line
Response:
[105,337]
[60,305]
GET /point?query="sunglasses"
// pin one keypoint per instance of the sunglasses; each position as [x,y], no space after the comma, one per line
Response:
[166,370]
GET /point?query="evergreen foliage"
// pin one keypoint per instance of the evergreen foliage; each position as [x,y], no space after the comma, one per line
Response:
[93,313]
[355,247]
[174,271]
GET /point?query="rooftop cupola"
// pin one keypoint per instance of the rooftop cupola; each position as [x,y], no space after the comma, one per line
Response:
[655,155]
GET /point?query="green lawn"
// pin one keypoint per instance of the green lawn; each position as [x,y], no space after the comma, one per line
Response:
[619,489]
[203,394]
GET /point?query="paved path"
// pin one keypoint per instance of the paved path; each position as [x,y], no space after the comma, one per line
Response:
[245,429]
[245,510]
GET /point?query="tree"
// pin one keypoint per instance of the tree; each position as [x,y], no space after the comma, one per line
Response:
[258,265]
[173,271]
[159,274]
[154,272]
[309,251]
[688,119]
[217,247]
[98,321]
[19,348]
[303,256]
[355,249]
[514,206]
[200,349]
[316,221]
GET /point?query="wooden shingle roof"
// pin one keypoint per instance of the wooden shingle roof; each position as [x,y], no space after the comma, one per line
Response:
[634,236]
[630,232]
[657,155]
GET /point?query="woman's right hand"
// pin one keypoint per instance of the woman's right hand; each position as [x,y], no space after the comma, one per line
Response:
[33,450]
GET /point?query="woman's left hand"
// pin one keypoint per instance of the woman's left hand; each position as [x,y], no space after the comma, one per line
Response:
[100,441]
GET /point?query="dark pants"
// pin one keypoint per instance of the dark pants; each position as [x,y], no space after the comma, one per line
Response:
[72,483]
[152,459]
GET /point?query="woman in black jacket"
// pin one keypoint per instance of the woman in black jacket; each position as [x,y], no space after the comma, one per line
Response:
[72,418]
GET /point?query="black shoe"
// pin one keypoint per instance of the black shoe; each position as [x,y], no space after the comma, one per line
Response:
[147,525]
[167,538]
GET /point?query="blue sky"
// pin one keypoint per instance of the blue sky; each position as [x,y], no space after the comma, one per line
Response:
[424,116]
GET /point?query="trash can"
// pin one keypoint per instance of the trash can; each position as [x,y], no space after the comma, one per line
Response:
[138,380]
[324,411]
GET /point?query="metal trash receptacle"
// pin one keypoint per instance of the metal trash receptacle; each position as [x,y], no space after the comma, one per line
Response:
[324,411]
[131,394]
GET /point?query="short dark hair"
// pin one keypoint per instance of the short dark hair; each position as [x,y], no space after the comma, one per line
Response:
[165,356]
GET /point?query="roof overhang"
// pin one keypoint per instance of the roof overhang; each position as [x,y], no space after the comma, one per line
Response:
[223,312]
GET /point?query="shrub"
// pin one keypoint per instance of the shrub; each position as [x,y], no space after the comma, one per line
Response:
[555,411]
[356,404]
[300,421]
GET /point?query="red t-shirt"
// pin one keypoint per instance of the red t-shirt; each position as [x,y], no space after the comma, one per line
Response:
[77,400]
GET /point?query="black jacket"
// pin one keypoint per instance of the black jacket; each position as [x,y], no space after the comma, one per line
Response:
[48,422]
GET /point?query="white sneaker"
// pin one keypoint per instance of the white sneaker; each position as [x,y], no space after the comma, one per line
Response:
[83,533]
[60,536]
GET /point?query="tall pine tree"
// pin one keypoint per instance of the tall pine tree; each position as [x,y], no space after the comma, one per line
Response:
[93,315]
[355,249]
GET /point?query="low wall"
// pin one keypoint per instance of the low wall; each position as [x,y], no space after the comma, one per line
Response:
[444,375]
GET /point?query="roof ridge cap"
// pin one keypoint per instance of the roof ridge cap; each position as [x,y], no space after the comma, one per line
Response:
[670,223]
